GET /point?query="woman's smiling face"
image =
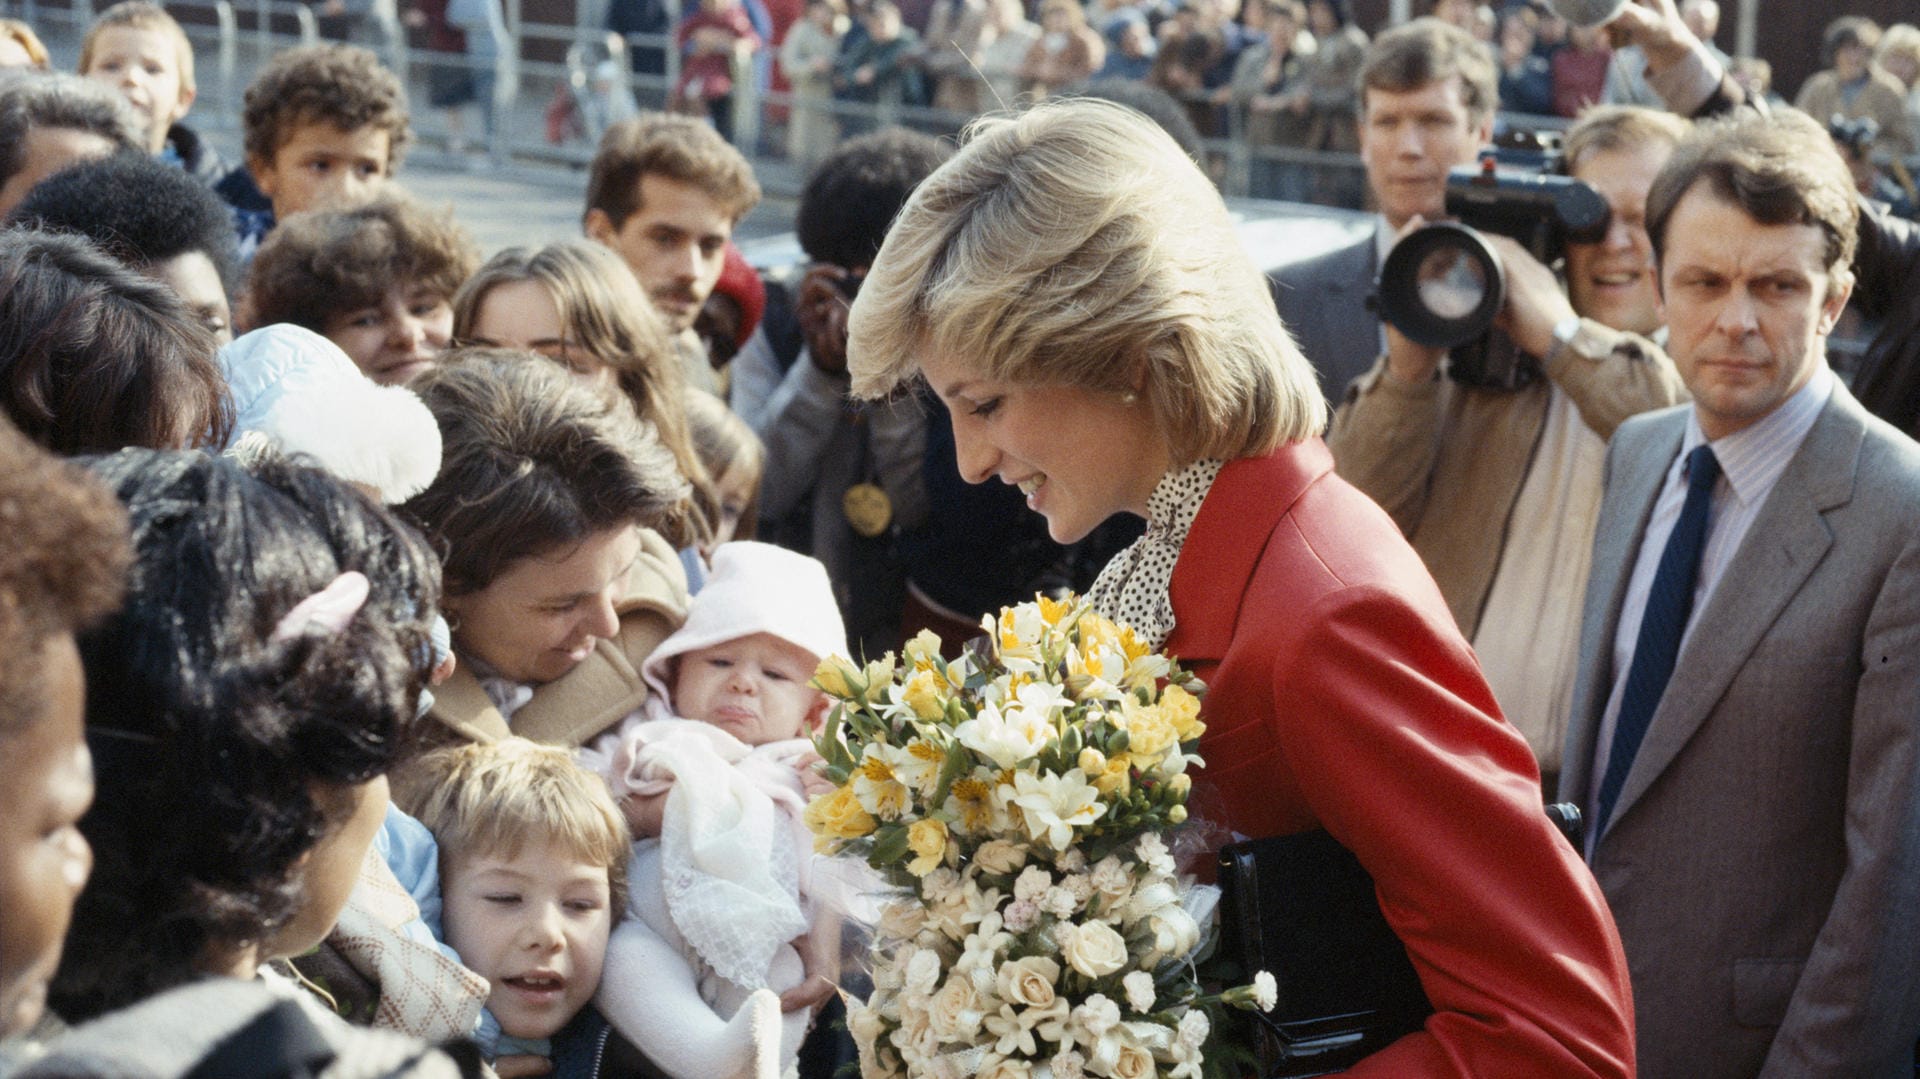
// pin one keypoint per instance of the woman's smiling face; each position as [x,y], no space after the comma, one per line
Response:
[1079,455]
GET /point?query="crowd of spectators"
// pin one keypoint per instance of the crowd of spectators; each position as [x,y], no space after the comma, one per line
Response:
[318,513]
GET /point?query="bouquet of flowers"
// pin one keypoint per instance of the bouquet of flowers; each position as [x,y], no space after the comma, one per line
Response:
[1018,796]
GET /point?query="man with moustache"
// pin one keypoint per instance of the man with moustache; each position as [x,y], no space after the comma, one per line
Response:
[665,192]
[1744,736]
[1499,489]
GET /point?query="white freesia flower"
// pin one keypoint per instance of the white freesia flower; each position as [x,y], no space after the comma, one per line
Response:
[1139,987]
[1265,993]
[1005,737]
[1150,899]
[1014,1027]
[1094,949]
[1055,805]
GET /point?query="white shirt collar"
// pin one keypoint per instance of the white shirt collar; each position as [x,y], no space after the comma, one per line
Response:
[1753,457]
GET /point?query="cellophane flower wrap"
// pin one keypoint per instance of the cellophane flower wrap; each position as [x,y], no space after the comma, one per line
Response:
[1019,797]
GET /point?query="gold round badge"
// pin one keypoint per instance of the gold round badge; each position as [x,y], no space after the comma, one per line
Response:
[868,509]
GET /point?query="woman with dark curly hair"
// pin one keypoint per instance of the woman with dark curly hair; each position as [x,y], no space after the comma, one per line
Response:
[377,280]
[243,709]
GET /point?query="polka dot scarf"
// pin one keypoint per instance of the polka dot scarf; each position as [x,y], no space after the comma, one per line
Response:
[1133,587]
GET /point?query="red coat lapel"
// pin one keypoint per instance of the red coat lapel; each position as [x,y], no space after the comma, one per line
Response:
[1216,564]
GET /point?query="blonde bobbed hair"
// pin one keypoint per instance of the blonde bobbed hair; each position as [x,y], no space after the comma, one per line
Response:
[1075,244]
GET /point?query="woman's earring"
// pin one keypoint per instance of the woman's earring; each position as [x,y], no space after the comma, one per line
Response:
[1129,398]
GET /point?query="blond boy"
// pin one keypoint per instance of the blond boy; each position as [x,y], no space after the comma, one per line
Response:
[139,51]
[533,860]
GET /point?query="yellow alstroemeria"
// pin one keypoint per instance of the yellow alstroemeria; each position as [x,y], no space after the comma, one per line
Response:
[877,790]
[1053,610]
[923,649]
[971,800]
[928,838]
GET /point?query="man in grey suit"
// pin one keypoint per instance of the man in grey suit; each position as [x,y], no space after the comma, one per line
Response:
[1427,99]
[1745,738]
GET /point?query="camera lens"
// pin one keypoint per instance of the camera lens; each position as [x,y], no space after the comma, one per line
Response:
[1450,284]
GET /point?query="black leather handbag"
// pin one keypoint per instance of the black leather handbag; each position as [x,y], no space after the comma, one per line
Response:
[1303,909]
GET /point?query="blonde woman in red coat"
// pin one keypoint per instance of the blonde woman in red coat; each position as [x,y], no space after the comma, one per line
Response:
[1070,286]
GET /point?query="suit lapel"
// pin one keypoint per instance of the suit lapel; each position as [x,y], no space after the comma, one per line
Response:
[1641,467]
[1787,539]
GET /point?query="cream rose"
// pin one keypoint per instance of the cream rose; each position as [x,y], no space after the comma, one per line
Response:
[1132,1063]
[1095,950]
[955,1013]
[1028,982]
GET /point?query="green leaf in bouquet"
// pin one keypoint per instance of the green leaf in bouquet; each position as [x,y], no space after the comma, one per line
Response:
[959,759]
[890,845]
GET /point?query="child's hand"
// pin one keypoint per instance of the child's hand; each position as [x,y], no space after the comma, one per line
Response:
[809,994]
[522,1064]
[812,783]
[643,813]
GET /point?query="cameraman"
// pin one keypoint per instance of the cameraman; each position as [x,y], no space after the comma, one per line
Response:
[1499,489]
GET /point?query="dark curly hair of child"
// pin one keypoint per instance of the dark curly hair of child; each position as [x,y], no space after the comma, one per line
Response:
[219,744]
[321,264]
[343,85]
[138,209]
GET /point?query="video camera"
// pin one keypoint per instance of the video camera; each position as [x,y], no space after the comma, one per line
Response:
[1442,285]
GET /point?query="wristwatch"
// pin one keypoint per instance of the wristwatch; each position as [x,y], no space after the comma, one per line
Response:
[1572,334]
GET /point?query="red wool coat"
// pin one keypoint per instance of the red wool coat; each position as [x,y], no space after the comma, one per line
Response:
[1342,696]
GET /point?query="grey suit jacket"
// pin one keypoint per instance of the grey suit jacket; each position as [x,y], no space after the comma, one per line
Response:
[1763,860]
[1323,301]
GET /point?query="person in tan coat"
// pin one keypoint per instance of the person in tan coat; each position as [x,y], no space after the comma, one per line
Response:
[1854,86]
[1499,489]
[557,589]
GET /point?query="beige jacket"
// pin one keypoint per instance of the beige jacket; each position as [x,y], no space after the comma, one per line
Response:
[598,693]
[1447,461]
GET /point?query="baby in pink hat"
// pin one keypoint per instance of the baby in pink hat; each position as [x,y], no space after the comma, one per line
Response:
[710,776]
